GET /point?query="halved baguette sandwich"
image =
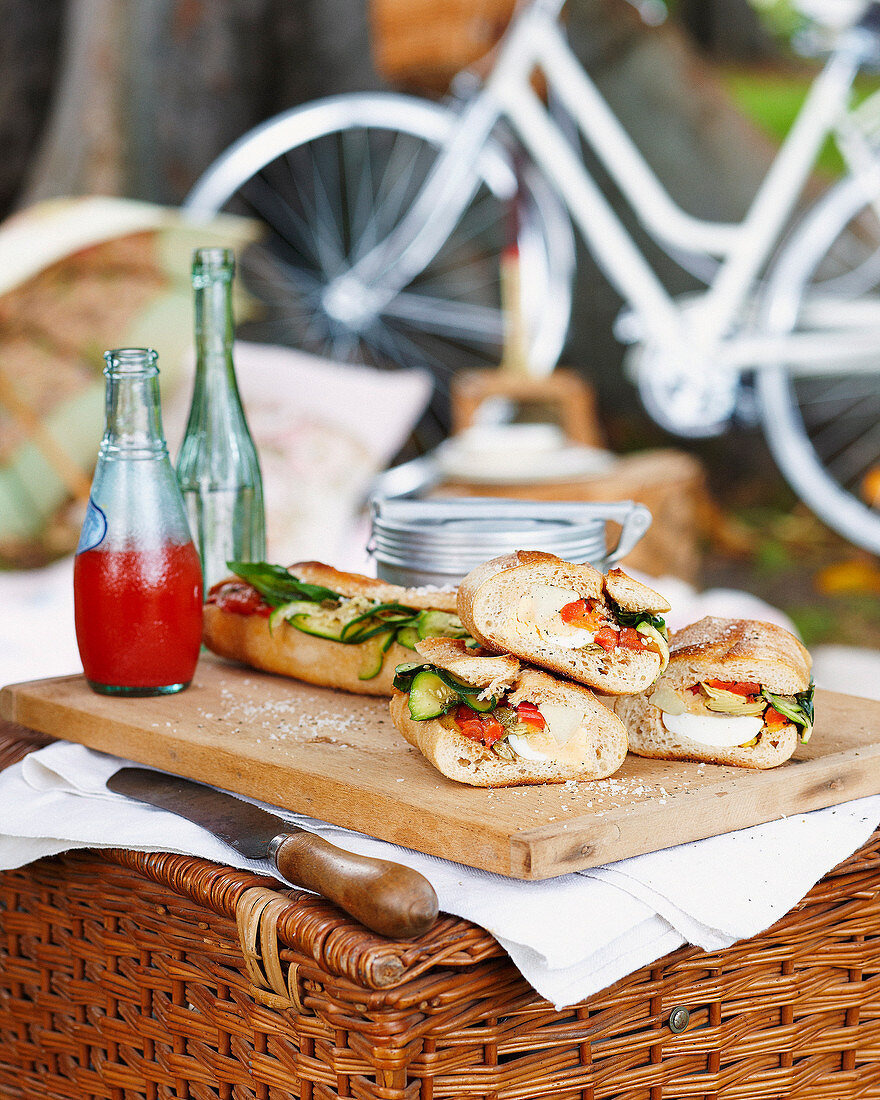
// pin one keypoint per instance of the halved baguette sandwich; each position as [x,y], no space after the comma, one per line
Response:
[604,631]
[315,623]
[736,691]
[486,721]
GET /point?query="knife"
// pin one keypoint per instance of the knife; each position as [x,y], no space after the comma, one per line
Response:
[389,898]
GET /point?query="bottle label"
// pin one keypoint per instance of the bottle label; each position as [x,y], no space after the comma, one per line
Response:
[94,528]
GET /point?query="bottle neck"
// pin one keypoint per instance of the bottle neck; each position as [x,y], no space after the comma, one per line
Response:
[213,323]
[133,424]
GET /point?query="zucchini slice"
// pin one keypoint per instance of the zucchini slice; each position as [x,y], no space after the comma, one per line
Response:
[286,611]
[440,624]
[429,696]
[321,626]
[373,655]
[408,636]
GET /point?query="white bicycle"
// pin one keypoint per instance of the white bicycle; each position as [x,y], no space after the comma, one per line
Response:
[387,216]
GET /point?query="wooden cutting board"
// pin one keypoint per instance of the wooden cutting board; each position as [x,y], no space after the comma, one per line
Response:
[338,757]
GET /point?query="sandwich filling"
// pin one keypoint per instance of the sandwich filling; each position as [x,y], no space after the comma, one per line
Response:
[562,618]
[729,714]
[272,592]
[505,725]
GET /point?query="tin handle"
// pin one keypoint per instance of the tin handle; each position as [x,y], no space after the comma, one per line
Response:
[634,520]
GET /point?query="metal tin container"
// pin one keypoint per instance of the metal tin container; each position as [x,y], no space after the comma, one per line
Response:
[437,542]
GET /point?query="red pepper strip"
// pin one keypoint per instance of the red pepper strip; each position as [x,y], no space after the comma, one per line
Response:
[238,598]
[774,719]
[492,730]
[582,613]
[607,637]
[576,613]
[478,727]
[737,687]
[529,713]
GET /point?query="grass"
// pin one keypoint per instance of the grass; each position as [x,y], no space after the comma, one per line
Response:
[771,99]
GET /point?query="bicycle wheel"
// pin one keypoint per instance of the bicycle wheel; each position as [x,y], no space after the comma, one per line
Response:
[331,181]
[823,428]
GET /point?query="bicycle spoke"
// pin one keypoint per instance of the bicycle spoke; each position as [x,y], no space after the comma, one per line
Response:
[838,394]
[396,186]
[276,277]
[441,317]
[361,194]
[279,216]
[329,218]
[850,463]
[327,254]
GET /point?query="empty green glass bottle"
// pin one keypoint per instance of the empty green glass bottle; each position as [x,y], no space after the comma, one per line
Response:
[217,468]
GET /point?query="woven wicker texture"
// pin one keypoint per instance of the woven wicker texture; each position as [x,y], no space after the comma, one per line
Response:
[129,976]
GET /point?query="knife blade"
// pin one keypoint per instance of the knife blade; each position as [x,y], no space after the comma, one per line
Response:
[387,897]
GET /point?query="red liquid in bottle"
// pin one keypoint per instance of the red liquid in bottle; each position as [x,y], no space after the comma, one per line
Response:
[138,615]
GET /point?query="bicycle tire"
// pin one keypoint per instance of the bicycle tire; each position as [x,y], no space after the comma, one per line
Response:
[276,158]
[824,431]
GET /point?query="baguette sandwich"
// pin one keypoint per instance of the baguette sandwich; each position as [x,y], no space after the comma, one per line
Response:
[486,721]
[735,692]
[315,623]
[604,631]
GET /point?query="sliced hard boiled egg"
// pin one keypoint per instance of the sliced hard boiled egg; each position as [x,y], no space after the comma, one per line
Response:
[719,732]
[521,747]
[562,721]
[539,611]
[563,739]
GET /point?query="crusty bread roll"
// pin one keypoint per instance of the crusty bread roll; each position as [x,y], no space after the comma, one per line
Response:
[732,651]
[595,751]
[490,595]
[322,661]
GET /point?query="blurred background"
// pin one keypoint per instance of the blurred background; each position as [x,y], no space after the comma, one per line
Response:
[137,98]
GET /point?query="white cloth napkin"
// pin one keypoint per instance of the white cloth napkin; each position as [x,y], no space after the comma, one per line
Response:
[570,936]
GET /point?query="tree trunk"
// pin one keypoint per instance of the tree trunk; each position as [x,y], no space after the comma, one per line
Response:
[152,91]
[28,54]
[82,148]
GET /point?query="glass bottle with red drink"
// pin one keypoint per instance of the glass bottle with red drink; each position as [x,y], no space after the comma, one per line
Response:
[137,577]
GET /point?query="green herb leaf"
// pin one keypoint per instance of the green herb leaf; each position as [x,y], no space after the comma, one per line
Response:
[277,586]
[635,618]
[799,709]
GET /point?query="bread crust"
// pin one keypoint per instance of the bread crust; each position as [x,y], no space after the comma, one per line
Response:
[648,736]
[355,584]
[467,761]
[488,594]
[290,652]
[493,672]
[744,650]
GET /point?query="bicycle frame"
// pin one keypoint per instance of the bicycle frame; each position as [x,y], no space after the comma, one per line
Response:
[706,326]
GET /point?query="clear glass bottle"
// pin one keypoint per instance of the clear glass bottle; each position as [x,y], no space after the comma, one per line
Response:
[137,579]
[217,468]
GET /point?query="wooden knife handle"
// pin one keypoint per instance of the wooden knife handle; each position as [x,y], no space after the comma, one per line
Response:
[387,897]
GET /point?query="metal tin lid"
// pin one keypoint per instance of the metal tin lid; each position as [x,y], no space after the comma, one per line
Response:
[423,541]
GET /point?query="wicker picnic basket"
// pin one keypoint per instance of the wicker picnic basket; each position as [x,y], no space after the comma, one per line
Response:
[126,976]
[421,44]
